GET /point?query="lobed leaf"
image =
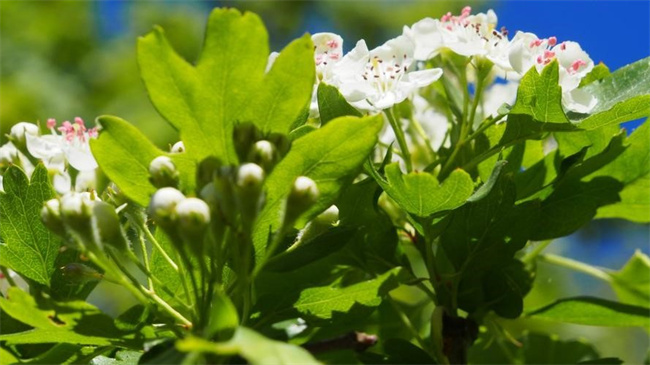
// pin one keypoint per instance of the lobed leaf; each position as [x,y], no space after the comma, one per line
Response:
[594,312]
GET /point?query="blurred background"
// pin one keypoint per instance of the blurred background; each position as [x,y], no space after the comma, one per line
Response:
[61,59]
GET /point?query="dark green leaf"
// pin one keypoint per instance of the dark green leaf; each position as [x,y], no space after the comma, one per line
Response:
[205,102]
[27,247]
[594,312]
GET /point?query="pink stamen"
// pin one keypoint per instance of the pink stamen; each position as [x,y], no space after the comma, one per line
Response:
[51,123]
[539,59]
[448,27]
[332,44]
[549,54]
[577,64]
[93,133]
[552,41]
[446,17]
[563,46]
[335,56]
[535,43]
[466,11]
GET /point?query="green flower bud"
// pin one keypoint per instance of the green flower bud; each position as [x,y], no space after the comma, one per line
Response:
[106,226]
[249,181]
[178,147]
[193,218]
[162,206]
[51,216]
[163,172]
[80,273]
[329,218]
[304,194]
[76,211]
[265,154]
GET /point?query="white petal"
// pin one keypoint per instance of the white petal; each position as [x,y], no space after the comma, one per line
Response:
[86,180]
[45,147]
[62,182]
[424,77]
[269,63]
[80,157]
[579,101]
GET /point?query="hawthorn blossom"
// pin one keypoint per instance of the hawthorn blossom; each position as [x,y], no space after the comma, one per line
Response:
[70,147]
[466,34]
[378,79]
[527,50]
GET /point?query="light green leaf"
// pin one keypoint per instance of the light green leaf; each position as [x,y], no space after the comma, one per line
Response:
[599,72]
[7,357]
[540,95]
[331,104]
[594,312]
[27,247]
[74,322]
[286,90]
[124,154]
[252,346]
[65,353]
[632,282]
[622,96]
[123,357]
[205,102]
[634,205]
[421,194]
[324,302]
[329,156]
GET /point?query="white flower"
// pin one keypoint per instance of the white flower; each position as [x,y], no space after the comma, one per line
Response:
[20,130]
[18,280]
[495,96]
[467,35]
[381,78]
[526,51]
[71,146]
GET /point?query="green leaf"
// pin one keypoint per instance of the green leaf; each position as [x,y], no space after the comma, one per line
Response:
[252,346]
[65,353]
[312,250]
[123,357]
[421,194]
[599,72]
[331,104]
[124,154]
[7,357]
[632,282]
[74,322]
[622,96]
[323,302]
[224,319]
[286,89]
[535,348]
[164,272]
[27,247]
[634,205]
[597,139]
[205,102]
[594,312]
[540,95]
[329,156]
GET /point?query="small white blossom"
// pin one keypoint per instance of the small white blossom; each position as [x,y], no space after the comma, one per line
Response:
[378,79]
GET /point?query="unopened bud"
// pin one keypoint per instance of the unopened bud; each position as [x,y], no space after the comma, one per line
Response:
[80,273]
[106,225]
[304,194]
[76,210]
[163,204]
[18,132]
[193,217]
[250,178]
[163,172]
[264,154]
[8,155]
[329,218]
[178,147]
[51,216]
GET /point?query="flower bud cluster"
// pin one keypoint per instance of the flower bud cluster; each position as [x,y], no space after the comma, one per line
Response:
[163,173]
[177,214]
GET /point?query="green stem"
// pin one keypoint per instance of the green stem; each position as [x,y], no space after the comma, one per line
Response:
[409,325]
[465,126]
[156,244]
[5,272]
[576,266]
[532,255]
[145,259]
[401,141]
[420,131]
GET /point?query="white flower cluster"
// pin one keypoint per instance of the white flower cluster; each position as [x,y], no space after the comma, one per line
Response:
[66,146]
[374,80]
